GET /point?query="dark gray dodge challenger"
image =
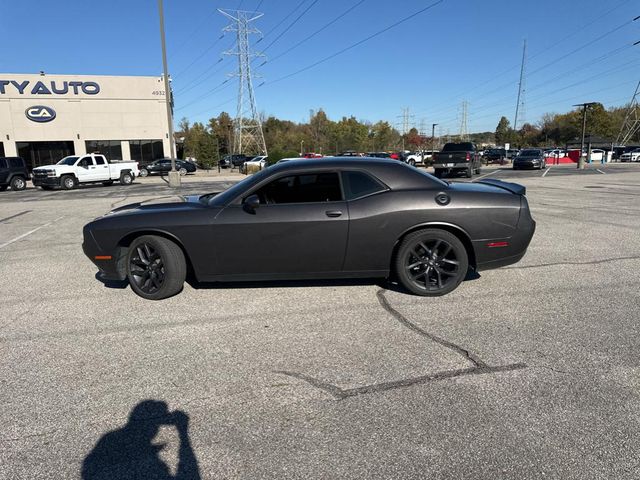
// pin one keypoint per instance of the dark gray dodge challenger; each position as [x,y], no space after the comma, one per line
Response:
[317,219]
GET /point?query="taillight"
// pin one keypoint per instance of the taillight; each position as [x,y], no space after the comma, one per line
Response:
[468,156]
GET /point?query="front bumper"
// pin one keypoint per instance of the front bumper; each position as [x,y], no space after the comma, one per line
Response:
[40,181]
[111,265]
[527,164]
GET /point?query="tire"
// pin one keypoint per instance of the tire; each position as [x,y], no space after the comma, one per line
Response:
[156,267]
[126,178]
[108,183]
[67,182]
[468,173]
[18,183]
[143,172]
[422,273]
[412,162]
[182,172]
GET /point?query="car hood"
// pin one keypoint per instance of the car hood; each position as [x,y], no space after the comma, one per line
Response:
[170,203]
[50,167]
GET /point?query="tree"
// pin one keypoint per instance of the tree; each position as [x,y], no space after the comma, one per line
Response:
[503,131]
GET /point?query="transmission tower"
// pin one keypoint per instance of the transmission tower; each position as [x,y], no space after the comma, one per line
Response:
[406,119]
[631,124]
[464,132]
[249,137]
[521,89]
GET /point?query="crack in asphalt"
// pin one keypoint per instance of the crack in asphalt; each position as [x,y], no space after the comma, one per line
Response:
[412,326]
[14,216]
[593,262]
[479,367]
[340,393]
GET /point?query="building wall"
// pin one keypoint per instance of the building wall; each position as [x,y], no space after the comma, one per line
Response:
[124,108]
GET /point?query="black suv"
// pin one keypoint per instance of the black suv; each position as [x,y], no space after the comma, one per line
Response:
[13,173]
[234,160]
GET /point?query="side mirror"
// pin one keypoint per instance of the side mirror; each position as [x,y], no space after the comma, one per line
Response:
[251,203]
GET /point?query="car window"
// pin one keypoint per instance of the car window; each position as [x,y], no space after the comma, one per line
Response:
[15,163]
[99,160]
[306,188]
[359,184]
[3,163]
[85,162]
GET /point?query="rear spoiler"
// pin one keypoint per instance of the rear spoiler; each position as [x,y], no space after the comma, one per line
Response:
[512,187]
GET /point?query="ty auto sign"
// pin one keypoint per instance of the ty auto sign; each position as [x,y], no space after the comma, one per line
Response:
[40,113]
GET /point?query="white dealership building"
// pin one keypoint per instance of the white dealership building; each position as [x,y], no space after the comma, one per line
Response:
[46,117]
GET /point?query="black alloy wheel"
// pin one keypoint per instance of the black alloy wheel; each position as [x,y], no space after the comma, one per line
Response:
[431,262]
[156,267]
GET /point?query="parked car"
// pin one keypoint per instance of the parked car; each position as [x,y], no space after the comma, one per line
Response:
[325,218]
[13,173]
[632,156]
[378,155]
[530,158]
[457,158]
[424,158]
[312,155]
[256,163]
[73,170]
[495,155]
[163,166]
[349,153]
[233,161]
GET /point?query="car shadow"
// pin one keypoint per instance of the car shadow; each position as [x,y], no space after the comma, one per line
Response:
[129,452]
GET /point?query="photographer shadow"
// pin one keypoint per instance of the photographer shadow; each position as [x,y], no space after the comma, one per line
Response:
[128,452]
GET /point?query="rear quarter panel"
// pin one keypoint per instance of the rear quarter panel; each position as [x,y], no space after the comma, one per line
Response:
[378,222]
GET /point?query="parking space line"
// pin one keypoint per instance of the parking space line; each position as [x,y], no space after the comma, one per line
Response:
[598,170]
[487,174]
[30,232]
[14,216]
[545,172]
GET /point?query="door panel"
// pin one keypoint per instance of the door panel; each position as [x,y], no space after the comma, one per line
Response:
[281,239]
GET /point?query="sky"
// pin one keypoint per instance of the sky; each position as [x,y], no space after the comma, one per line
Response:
[430,62]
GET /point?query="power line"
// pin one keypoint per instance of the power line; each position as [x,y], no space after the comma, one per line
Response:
[324,27]
[340,52]
[291,25]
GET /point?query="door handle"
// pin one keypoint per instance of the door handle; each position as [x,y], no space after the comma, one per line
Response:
[333,213]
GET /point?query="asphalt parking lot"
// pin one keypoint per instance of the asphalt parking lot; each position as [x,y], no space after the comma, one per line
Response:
[528,371]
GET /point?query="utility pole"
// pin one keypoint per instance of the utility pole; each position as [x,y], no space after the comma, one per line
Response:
[521,87]
[584,128]
[249,137]
[433,136]
[174,176]
[464,133]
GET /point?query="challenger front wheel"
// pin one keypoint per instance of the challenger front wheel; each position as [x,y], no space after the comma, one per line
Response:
[156,267]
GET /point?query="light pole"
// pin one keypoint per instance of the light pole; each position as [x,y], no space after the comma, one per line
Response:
[433,136]
[301,147]
[584,128]
[174,176]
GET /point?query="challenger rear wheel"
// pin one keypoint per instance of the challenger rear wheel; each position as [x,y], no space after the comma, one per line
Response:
[156,267]
[431,262]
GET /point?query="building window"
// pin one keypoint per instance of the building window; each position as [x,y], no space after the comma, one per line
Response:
[112,149]
[146,151]
[37,154]
[1,149]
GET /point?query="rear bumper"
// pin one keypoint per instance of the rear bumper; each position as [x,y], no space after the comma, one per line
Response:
[451,166]
[488,257]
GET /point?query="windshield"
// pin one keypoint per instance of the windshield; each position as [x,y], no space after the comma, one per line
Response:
[67,161]
[529,153]
[232,192]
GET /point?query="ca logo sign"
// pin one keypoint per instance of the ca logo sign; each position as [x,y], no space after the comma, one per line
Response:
[39,113]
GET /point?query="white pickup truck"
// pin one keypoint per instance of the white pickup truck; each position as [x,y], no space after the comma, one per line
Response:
[71,171]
